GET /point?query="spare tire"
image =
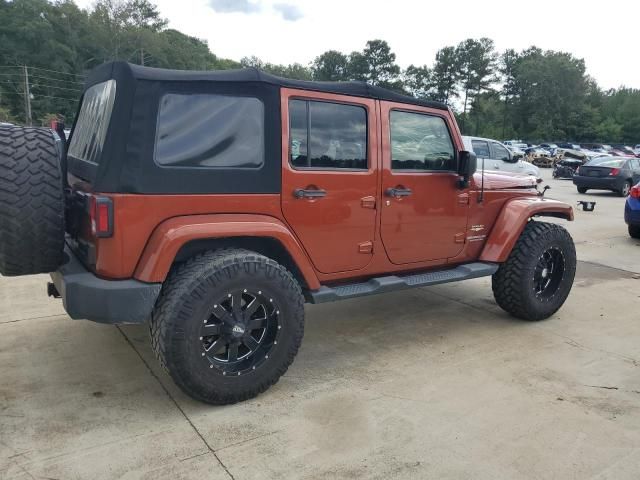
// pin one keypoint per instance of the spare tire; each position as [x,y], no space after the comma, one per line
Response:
[31,201]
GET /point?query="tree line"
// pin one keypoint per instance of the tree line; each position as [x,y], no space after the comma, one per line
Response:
[532,94]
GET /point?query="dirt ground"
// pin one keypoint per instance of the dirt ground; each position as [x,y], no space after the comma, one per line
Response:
[428,383]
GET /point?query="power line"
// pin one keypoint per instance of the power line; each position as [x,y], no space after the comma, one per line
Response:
[56,71]
[41,85]
[61,80]
[40,96]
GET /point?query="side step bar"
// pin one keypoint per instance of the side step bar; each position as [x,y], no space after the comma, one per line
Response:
[392,282]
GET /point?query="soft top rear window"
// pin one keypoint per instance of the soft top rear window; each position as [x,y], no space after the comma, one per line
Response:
[90,131]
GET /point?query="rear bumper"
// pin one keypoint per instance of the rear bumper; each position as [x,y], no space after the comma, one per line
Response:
[632,211]
[86,296]
[599,183]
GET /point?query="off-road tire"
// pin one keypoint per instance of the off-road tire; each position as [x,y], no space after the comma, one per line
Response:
[31,202]
[634,231]
[188,296]
[626,188]
[582,190]
[513,284]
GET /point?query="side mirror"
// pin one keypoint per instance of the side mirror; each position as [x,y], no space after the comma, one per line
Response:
[467,166]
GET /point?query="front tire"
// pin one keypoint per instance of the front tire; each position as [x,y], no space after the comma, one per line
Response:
[582,190]
[634,231]
[227,325]
[537,277]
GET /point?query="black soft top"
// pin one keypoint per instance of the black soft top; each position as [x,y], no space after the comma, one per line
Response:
[123,71]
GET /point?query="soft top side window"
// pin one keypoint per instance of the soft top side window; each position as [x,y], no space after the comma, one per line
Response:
[326,135]
[210,130]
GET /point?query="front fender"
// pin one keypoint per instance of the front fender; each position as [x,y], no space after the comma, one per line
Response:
[511,222]
[171,235]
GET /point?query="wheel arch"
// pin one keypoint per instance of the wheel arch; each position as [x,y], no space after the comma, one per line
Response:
[180,238]
[512,220]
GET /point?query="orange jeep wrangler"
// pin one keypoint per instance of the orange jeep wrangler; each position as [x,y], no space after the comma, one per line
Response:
[215,204]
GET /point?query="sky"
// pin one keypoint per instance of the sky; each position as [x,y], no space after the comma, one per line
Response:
[286,31]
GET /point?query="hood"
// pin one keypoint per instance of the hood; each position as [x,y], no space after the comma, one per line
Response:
[504,180]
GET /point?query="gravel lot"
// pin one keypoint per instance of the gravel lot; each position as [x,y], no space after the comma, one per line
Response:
[429,383]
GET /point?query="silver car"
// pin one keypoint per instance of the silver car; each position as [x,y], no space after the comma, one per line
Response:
[496,157]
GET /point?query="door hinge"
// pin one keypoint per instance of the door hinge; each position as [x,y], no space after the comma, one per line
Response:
[368,202]
[365,247]
[459,238]
[463,199]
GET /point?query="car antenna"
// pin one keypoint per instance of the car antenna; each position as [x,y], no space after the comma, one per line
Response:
[481,197]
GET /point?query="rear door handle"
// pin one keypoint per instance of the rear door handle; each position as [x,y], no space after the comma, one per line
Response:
[304,193]
[398,192]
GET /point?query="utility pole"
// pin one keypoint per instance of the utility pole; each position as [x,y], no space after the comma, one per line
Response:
[27,97]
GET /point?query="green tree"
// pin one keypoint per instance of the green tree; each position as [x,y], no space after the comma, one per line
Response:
[476,61]
[445,75]
[376,65]
[418,81]
[331,66]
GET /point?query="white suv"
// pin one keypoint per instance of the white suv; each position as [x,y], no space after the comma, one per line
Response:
[496,157]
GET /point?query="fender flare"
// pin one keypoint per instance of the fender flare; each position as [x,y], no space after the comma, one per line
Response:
[171,235]
[511,222]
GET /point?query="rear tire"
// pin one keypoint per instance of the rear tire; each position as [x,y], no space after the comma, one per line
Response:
[205,344]
[31,202]
[626,188]
[537,277]
[582,190]
[634,231]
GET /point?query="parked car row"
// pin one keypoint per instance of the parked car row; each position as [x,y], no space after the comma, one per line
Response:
[591,150]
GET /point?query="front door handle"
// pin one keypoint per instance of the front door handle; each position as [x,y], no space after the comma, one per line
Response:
[309,193]
[398,192]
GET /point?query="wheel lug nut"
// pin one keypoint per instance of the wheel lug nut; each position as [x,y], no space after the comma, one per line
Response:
[203,354]
[224,373]
[245,290]
[210,366]
[253,368]
[200,338]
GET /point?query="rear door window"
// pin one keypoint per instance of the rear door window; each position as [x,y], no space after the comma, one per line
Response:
[209,130]
[325,135]
[90,131]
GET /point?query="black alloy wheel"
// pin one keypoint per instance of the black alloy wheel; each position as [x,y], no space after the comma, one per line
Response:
[240,332]
[548,273]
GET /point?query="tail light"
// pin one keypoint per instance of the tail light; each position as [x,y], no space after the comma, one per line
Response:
[101,217]
[635,191]
[614,172]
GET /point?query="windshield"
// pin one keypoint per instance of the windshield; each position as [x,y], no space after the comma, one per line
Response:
[90,130]
[610,162]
